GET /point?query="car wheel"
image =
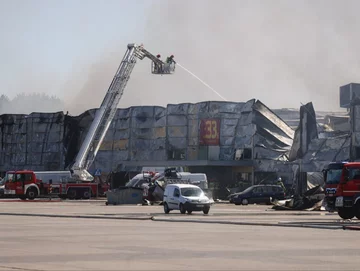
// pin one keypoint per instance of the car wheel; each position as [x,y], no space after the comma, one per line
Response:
[182,209]
[244,202]
[206,210]
[166,208]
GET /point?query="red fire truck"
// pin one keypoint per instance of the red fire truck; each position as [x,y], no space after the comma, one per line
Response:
[347,201]
[332,176]
[28,184]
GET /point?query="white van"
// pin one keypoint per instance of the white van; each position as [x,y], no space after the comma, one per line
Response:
[185,197]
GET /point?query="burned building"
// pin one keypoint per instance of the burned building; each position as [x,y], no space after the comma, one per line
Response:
[219,138]
[34,141]
[235,144]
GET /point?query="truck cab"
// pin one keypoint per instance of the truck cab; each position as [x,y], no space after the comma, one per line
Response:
[332,175]
[347,194]
[22,184]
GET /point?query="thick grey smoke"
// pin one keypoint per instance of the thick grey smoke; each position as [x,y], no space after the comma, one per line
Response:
[281,52]
[28,103]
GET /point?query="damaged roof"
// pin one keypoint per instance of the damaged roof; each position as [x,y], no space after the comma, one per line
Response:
[321,151]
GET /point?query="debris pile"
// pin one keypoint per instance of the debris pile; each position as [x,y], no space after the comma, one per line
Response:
[311,200]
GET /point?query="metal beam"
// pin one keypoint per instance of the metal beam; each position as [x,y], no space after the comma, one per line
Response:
[232,163]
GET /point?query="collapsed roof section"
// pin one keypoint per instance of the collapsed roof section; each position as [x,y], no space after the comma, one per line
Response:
[321,151]
[312,153]
[273,137]
[305,133]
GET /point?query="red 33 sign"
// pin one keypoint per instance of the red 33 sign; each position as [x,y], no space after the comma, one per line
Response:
[210,132]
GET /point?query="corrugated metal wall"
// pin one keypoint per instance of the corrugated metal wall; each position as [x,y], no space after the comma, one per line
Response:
[32,141]
[146,133]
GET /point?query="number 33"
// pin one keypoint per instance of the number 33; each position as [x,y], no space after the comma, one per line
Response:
[211,131]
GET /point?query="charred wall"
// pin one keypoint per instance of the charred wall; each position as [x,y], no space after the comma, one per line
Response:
[51,141]
[32,141]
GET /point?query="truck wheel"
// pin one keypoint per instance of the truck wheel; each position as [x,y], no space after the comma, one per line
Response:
[182,209]
[346,213]
[86,194]
[71,194]
[31,193]
[357,209]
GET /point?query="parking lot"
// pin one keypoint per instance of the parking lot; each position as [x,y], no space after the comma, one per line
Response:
[88,235]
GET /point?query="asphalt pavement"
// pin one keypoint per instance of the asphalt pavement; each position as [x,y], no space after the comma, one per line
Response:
[80,235]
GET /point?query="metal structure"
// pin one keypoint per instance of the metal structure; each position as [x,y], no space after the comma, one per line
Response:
[105,114]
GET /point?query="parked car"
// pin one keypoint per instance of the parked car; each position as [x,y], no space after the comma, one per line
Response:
[186,198]
[2,187]
[258,194]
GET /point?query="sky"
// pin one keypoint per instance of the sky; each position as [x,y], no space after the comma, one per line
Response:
[283,53]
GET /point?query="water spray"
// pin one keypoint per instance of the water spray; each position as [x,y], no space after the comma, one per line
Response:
[217,93]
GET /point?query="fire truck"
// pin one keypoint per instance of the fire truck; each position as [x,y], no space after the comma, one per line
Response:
[347,194]
[78,182]
[332,175]
[29,184]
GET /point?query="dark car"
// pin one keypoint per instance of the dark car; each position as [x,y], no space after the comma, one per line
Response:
[2,184]
[258,194]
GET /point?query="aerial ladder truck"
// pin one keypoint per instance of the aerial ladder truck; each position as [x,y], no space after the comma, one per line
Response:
[80,182]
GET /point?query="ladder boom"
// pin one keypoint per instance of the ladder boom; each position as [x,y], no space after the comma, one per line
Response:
[105,114]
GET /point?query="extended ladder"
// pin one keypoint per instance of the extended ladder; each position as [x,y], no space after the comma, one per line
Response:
[105,114]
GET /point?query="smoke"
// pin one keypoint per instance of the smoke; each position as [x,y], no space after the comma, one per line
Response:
[89,82]
[281,52]
[27,103]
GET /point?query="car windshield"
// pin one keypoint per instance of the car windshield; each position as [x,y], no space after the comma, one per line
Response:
[191,192]
[333,176]
[2,181]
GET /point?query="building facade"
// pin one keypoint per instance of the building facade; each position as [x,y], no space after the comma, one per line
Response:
[229,141]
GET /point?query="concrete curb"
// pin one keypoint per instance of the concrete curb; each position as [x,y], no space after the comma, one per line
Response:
[79,216]
[289,225]
[268,214]
[352,228]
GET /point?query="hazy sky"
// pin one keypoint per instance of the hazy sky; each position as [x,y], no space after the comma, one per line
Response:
[281,52]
